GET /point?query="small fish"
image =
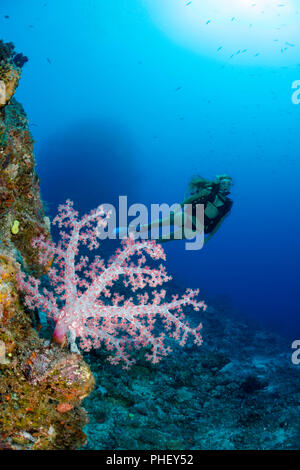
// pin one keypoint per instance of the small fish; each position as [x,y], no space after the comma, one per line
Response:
[219,48]
[6,17]
[209,21]
[232,19]
[49,61]
[188,4]
[290,44]
[178,88]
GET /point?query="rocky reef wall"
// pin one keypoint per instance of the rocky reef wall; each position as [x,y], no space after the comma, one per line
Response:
[41,385]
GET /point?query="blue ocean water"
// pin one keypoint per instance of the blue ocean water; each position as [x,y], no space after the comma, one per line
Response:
[119,107]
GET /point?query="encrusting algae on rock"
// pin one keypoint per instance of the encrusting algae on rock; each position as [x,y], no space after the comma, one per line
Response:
[10,71]
[41,385]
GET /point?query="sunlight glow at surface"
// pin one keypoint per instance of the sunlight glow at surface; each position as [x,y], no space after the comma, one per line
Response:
[250,32]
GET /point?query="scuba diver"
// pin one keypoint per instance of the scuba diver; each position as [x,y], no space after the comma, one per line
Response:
[217,205]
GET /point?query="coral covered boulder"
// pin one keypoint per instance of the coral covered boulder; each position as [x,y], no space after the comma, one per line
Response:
[21,210]
[10,71]
[41,385]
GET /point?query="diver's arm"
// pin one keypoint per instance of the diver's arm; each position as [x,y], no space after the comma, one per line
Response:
[215,229]
[170,221]
[163,222]
[191,199]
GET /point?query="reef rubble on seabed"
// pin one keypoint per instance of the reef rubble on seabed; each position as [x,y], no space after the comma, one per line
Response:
[41,385]
[238,391]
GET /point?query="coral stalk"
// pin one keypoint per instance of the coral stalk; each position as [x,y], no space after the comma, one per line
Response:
[91,311]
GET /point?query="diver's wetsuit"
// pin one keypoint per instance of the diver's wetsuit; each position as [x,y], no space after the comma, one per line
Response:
[209,224]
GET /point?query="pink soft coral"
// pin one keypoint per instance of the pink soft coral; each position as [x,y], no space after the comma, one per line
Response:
[85,288]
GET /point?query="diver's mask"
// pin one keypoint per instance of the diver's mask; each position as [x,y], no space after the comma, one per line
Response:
[225,183]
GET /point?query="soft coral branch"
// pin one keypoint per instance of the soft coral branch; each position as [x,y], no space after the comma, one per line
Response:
[90,311]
